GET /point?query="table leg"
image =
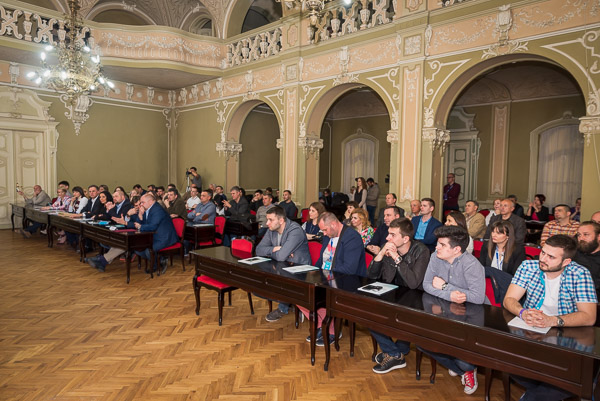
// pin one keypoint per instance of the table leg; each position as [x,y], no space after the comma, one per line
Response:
[152,264]
[12,220]
[128,264]
[325,326]
[313,334]
[50,236]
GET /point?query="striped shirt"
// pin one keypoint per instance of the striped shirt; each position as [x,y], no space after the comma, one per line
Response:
[554,228]
[576,286]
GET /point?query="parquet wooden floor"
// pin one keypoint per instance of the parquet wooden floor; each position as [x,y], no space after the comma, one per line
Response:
[69,333]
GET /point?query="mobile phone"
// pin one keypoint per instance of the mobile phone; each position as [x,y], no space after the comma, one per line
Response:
[372,287]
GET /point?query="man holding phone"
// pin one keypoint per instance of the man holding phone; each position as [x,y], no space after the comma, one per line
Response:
[401,261]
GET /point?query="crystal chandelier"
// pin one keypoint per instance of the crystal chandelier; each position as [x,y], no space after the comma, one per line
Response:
[72,66]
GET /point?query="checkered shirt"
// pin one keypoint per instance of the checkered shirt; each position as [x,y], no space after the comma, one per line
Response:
[576,286]
[553,228]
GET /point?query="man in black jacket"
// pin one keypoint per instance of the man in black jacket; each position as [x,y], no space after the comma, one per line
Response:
[401,261]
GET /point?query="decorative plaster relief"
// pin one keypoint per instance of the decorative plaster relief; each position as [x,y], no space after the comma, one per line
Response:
[412,45]
[413,5]
[14,72]
[292,36]
[589,126]
[310,94]
[392,136]
[78,111]
[462,34]
[437,66]
[370,55]
[411,82]
[310,146]
[555,13]
[393,96]
[229,149]
[437,138]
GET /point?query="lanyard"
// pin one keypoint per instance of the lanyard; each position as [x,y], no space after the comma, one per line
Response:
[499,261]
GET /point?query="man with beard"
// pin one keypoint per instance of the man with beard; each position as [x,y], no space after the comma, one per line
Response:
[559,293]
[588,249]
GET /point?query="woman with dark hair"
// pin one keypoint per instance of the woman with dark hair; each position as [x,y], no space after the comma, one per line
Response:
[360,196]
[104,198]
[310,226]
[456,218]
[78,201]
[537,211]
[360,222]
[501,256]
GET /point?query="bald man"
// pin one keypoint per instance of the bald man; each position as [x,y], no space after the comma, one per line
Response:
[596,217]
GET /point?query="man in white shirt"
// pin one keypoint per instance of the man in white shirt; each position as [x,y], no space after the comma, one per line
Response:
[193,200]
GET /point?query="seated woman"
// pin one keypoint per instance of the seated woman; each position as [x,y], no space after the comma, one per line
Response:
[537,211]
[103,215]
[350,206]
[456,218]
[501,257]
[494,212]
[76,204]
[310,226]
[61,202]
[360,222]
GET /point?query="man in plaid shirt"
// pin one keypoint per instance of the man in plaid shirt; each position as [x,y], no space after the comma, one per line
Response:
[561,224]
[559,293]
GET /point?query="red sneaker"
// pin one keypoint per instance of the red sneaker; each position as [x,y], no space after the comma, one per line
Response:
[469,379]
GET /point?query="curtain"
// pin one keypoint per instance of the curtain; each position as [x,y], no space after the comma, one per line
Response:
[359,161]
[560,165]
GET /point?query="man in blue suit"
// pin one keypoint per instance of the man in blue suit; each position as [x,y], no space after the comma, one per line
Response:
[425,224]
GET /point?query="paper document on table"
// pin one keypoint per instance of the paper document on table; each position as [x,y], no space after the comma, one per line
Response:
[300,269]
[519,323]
[254,260]
[378,288]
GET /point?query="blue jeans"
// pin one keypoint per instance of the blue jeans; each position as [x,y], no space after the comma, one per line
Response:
[371,211]
[284,308]
[390,347]
[538,391]
[454,364]
[33,227]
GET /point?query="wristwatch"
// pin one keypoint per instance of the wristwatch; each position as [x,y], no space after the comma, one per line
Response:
[444,286]
[559,322]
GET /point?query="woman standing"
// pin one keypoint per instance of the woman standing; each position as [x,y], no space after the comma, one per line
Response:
[360,196]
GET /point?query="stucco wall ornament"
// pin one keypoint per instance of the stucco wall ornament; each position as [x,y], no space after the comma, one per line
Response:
[427,117]
[392,136]
[183,96]
[412,45]
[437,66]
[206,90]
[252,48]
[504,46]
[276,103]
[129,91]
[14,72]
[219,85]
[309,96]
[539,17]
[229,149]
[310,146]
[344,77]
[194,91]
[437,138]
[77,112]
[150,94]
[589,126]
[381,81]
[413,5]
[428,35]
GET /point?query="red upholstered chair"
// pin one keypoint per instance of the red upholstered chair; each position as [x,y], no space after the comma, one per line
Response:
[551,217]
[253,212]
[368,259]
[241,248]
[532,251]
[485,212]
[477,244]
[314,247]
[304,215]
[218,239]
[177,247]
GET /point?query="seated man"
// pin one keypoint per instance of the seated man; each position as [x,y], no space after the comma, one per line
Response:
[205,211]
[588,250]
[562,224]
[475,220]
[175,205]
[457,276]
[415,208]
[285,241]
[119,206]
[39,198]
[287,204]
[261,214]
[343,252]
[193,200]
[425,224]
[256,200]
[558,293]
[379,239]
[507,207]
[390,200]
[401,261]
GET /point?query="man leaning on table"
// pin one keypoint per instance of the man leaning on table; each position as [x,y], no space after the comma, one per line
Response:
[285,241]
[558,293]
[401,261]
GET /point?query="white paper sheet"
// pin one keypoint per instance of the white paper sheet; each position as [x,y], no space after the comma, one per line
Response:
[519,323]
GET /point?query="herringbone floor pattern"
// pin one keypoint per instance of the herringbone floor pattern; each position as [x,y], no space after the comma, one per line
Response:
[69,333]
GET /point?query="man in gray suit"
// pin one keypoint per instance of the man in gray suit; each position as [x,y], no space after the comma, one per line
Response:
[285,241]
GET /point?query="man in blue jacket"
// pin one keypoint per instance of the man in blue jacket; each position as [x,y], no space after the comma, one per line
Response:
[425,224]
[284,241]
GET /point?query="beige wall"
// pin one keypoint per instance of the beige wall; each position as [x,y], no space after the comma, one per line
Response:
[524,118]
[376,126]
[116,146]
[259,160]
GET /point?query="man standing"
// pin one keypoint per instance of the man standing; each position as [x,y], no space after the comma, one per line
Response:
[457,276]
[285,241]
[195,178]
[507,207]
[261,214]
[390,200]
[425,224]
[401,261]
[475,220]
[193,200]
[559,293]
[205,211]
[561,224]
[451,193]
[372,198]
[175,205]
[287,204]
[588,249]
[379,239]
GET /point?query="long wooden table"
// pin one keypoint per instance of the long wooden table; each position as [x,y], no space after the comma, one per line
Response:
[567,358]
[267,279]
[17,210]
